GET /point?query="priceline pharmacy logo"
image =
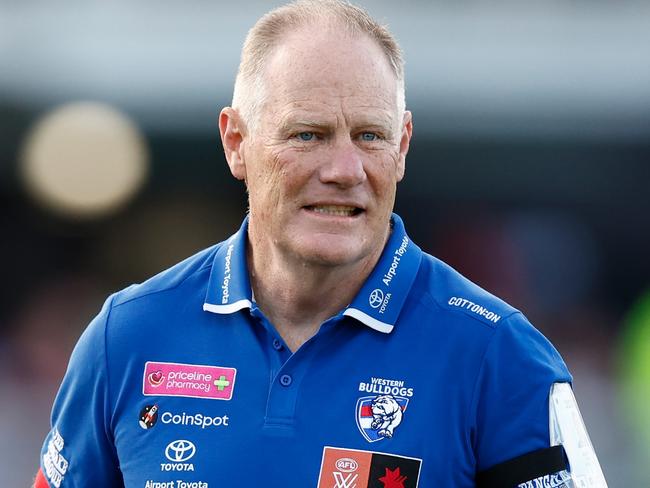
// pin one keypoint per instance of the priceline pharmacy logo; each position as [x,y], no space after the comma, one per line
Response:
[188,380]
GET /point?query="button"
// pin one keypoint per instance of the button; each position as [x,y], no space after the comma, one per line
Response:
[277,345]
[285,380]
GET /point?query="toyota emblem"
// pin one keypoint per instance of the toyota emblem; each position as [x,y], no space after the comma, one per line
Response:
[376,298]
[180,451]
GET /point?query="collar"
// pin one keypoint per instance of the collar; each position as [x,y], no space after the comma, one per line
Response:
[377,305]
[229,287]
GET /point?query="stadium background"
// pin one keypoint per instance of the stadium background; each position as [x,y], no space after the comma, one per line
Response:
[529,172]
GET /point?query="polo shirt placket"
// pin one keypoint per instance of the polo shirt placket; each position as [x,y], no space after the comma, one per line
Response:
[377,305]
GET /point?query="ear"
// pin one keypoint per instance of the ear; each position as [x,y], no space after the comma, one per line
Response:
[233,130]
[404,143]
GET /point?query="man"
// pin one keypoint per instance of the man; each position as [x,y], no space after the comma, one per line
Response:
[318,346]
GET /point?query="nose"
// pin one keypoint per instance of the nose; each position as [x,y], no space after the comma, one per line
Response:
[344,165]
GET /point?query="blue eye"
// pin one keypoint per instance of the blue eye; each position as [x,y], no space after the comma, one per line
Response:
[369,136]
[306,136]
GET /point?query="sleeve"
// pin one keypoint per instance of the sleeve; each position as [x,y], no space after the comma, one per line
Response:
[511,400]
[78,451]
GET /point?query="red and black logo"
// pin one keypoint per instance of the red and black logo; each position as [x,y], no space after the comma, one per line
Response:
[351,468]
[388,471]
[148,416]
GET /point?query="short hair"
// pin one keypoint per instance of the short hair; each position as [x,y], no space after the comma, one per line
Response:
[269,31]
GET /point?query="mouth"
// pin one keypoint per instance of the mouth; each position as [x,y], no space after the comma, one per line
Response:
[335,210]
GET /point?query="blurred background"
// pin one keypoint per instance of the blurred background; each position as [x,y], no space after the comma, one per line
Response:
[529,172]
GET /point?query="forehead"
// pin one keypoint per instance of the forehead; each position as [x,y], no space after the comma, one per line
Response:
[330,67]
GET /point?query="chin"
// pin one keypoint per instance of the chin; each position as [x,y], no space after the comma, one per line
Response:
[328,253]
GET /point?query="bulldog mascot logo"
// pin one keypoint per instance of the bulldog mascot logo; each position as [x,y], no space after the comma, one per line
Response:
[379,416]
[386,415]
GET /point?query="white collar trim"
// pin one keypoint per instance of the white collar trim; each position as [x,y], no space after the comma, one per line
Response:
[229,308]
[371,322]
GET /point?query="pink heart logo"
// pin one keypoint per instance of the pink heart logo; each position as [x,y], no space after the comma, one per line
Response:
[156,378]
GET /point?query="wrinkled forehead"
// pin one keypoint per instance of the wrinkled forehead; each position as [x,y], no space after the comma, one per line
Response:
[329,63]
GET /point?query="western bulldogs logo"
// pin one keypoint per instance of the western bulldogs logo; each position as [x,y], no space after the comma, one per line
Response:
[379,416]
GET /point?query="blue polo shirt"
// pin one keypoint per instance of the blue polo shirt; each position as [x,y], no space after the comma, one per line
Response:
[181,382]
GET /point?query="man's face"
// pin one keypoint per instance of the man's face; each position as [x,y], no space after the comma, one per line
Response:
[327,151]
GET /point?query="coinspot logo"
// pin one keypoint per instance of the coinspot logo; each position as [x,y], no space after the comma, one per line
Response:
[180,451]
[376,298]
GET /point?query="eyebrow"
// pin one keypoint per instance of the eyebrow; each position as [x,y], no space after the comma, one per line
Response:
[302,122]
[371,123]
[290,124]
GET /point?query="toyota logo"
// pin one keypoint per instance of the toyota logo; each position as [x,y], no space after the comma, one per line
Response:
[376,298]
[179,451]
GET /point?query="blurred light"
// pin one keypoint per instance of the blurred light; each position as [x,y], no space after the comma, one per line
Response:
[84,160]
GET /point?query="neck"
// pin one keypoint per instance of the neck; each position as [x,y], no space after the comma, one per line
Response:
[298,296]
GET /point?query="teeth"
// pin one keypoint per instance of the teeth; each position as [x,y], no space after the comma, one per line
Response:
[343,211]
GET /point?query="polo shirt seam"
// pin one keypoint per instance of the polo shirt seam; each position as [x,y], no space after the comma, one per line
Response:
[165,289]
[474,401]
[108,432]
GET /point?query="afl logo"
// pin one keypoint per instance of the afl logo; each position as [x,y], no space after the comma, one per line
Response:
[347,465]
[156,378]
[376,298]
[148,416]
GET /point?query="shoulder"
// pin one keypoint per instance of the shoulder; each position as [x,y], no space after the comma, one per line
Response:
[169,279]
[185,281]
[474,315]
[456,295]
[140,318]
[464,310]
[156,301]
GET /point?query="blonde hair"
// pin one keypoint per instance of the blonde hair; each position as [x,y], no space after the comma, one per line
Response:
[269,31]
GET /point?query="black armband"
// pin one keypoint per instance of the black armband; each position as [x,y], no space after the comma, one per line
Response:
[524,468]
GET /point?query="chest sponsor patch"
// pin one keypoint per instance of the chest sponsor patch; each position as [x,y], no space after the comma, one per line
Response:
[378,416]
[351,468]
[188,380]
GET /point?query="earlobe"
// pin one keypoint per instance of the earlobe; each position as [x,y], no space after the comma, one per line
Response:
[232,133]
[404,144]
